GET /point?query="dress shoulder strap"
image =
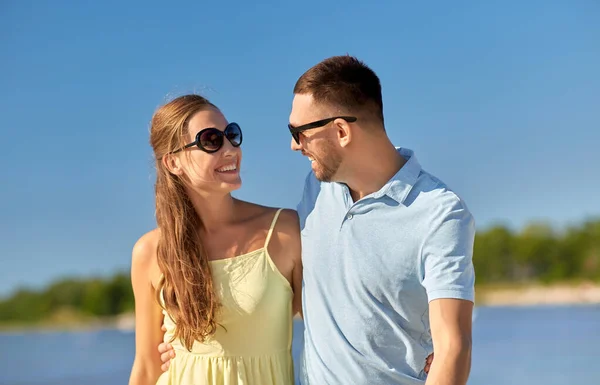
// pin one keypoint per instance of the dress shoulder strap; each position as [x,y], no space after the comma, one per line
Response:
[272,227]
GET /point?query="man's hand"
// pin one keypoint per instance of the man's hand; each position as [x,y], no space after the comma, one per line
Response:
[166,353]
[428,362]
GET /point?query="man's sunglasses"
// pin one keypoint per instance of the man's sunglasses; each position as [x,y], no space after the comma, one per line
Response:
[295,131]
[211,139]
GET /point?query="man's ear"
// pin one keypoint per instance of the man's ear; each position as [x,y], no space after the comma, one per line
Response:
[344,132]
[173,164]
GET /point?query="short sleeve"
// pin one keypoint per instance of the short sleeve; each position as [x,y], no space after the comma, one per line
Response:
[447,255]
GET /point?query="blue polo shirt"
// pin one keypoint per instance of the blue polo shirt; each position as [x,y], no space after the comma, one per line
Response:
[370,269]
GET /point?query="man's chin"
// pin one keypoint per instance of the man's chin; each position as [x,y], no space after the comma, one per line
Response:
[322,175]
[316,170]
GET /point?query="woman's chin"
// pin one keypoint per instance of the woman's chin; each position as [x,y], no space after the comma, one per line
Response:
[232,185]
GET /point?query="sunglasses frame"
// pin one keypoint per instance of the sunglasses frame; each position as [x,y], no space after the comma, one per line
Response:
[222,135]
[295,131]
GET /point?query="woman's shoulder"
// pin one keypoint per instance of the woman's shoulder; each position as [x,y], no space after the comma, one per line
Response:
[287,228]
[143,256]
[288,218]
[147,243]
[287,223]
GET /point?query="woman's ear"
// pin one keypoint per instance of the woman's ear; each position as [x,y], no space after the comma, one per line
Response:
[173,164]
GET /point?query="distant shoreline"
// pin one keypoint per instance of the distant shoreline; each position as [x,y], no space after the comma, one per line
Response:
[124,322]
[537,294]
[511,294]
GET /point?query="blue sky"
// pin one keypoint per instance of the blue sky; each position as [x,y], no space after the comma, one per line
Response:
[500,100]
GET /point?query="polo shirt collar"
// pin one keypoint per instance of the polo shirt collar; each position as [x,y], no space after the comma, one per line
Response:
[403,181]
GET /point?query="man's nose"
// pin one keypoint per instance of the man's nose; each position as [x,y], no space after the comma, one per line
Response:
[295,146]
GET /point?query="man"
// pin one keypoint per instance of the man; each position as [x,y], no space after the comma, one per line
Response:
[386,246]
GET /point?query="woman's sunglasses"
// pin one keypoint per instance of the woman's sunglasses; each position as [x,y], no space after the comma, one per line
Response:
[211,139]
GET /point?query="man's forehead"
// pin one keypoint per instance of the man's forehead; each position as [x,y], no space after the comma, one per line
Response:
[304,109]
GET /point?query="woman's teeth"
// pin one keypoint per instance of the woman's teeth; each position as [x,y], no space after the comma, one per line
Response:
[231,167]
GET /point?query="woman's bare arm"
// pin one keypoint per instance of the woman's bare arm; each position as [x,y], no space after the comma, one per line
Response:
[148,316]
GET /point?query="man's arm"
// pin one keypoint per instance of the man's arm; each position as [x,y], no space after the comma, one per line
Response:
[450,321]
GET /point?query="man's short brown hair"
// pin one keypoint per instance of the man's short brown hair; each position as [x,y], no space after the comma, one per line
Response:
[344,82]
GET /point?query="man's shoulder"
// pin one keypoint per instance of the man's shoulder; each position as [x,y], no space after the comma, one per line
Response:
[426,189]
[430,191]
[435,188]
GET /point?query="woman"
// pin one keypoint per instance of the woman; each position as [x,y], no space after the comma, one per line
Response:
[226,272]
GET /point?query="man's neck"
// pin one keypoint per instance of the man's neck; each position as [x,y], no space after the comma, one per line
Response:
[370,171]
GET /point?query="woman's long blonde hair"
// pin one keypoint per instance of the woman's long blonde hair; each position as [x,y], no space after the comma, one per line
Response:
[187,284]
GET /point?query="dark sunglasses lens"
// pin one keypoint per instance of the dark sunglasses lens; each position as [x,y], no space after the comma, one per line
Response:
[211,140]
[233,132]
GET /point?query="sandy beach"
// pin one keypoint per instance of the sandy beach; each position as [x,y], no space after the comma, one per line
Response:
[539,294]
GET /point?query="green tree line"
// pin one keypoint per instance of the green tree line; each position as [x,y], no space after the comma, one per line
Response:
[96,297]
[536,253]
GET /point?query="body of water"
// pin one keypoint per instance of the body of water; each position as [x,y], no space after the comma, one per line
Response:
[511,346]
